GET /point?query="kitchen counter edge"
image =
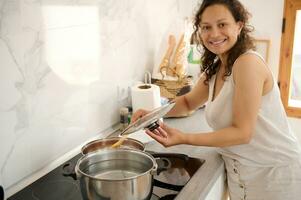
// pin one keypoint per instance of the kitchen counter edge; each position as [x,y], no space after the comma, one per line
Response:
[204,179]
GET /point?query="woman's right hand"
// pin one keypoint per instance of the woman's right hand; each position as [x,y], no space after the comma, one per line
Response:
[166,135]
[138,114]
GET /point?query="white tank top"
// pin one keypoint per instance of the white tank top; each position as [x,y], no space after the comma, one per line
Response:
[272,143]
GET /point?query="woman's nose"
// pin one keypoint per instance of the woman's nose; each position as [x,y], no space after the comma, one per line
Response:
[214,32]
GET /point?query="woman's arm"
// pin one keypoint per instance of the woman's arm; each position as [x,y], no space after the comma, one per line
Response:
[192,100]
[250,76]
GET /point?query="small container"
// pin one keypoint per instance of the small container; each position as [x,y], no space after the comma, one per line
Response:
[130,114]
[124,118]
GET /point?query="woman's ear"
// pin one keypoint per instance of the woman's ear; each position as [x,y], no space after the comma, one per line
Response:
[240,26]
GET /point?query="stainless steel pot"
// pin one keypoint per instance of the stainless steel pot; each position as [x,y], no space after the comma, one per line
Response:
[116,174]
[106,143]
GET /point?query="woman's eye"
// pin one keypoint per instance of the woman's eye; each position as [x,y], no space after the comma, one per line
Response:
[205,28]
[221,25]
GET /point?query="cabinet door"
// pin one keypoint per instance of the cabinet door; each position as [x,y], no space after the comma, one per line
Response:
[219,189]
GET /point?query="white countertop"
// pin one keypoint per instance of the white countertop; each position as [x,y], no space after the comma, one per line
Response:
[203,180]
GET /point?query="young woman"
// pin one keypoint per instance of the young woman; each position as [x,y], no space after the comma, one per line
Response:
[244,109]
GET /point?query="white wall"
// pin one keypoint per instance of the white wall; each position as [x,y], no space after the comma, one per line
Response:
[62,63]
[267,20]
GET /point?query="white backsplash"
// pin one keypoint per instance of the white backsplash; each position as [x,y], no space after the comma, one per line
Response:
[61,63]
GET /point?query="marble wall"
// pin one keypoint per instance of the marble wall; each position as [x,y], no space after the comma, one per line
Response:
[61,64]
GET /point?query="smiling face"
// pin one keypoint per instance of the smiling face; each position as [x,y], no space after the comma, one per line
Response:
[219,30]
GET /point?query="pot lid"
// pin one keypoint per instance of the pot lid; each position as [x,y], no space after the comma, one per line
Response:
[148,119]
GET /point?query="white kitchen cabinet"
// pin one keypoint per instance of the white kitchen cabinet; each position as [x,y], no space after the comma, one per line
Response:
[219,189]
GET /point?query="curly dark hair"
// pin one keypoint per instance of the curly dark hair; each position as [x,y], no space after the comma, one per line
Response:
[209,61]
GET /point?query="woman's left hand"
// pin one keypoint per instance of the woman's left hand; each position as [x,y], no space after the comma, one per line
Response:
[166,135]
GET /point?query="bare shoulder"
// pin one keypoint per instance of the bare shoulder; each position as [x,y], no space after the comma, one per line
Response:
[248,65]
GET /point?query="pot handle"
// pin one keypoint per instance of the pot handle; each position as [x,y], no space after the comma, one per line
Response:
[154,169]
[69,170]
[163,164]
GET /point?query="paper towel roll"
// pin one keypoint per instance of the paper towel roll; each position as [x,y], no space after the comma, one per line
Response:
[145,96]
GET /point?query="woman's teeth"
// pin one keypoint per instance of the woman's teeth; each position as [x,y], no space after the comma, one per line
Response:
[218,42]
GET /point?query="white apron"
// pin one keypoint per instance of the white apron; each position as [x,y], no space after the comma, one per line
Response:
[269,167]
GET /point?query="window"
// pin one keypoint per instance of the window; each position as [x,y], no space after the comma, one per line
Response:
[290,59]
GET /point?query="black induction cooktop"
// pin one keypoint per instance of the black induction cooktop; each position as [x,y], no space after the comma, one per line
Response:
[1,193]
[168,183]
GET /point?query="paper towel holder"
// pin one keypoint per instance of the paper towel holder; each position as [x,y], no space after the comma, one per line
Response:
[147,81]
[147,77]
